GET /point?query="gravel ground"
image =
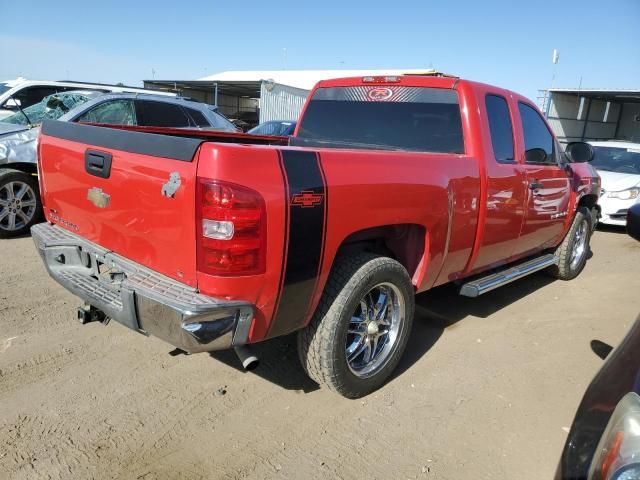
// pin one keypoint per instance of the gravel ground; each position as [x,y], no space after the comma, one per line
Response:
[487,389]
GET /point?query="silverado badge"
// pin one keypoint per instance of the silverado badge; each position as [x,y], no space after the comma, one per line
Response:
[98,197]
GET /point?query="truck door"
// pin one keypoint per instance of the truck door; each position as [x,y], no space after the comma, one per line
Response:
[506,182]
[548,192]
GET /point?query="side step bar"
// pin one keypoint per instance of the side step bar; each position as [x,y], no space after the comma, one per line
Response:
[491,282]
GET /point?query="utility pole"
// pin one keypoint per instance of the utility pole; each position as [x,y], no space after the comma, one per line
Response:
[546,99]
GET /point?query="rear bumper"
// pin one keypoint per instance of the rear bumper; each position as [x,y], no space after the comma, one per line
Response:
[139,298]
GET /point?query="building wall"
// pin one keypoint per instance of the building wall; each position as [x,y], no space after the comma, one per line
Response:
[281,102]
[229,105]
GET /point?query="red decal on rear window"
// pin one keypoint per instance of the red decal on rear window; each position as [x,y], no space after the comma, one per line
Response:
[379,94]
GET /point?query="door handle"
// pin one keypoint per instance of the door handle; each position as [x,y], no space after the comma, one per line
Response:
[97,163]
[536,185]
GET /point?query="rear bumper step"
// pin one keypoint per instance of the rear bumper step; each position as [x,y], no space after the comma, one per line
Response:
[482,285]
[139,298]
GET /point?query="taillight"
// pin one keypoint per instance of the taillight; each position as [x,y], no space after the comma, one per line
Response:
[231,229]
[618,454]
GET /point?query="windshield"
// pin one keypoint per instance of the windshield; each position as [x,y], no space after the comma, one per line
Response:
[4,87]
[51,107]
[616,159]
[384,117]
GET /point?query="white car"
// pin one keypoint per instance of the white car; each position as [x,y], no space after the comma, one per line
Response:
[22,93]
[618,164]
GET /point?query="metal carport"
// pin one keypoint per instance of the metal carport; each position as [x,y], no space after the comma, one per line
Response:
[577,114]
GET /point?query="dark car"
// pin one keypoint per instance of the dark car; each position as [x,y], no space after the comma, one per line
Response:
[281,128]
[20,205]
[149,111]
[604,440]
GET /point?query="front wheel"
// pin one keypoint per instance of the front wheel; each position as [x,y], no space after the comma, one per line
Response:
[573,251]
[360,329]
[20,206]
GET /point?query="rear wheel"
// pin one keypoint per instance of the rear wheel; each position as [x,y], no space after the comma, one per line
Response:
[20,206]
[360,329]
[574,249]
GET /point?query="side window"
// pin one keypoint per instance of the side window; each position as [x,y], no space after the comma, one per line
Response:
[32,95]
[501,128]
[222,123]
[161,114]
[198,118]
[116,112]
[538,141]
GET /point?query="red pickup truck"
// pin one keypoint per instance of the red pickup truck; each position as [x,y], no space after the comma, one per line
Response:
[390,186]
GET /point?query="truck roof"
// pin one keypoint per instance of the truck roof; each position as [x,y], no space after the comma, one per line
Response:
[404,80]
[427,81]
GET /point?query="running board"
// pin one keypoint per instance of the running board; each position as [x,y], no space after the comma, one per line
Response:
[491,282]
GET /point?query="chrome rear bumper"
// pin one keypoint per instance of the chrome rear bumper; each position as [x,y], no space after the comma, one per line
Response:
[140,298]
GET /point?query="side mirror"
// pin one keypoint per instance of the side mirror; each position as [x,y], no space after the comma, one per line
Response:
[12,104]
[535,155]
[633,221]
[579,152]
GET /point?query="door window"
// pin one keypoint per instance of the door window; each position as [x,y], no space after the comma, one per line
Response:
[161,114]
[501,128]
[32,95]
[538,141]
[198,118]
[116,112]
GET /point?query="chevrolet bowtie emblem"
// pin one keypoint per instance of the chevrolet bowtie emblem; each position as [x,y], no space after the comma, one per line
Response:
[98,197]
[306,199]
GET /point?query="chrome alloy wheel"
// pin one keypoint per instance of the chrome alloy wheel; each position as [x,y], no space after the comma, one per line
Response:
[17,205]
[374,329]
[579,244]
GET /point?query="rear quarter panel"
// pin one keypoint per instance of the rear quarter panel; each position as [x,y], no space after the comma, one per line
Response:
[363,189]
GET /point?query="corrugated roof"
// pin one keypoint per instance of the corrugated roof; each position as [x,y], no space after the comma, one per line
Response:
[306,79]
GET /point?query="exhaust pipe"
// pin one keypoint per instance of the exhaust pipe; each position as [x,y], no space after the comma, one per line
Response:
[247,358]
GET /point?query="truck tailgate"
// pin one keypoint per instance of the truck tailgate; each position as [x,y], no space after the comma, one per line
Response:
[131,193]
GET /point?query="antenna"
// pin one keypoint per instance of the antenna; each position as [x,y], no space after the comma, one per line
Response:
[546,98]
[284,58]
[555,59]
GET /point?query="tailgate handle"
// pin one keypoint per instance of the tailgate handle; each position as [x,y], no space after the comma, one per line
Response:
[97,163]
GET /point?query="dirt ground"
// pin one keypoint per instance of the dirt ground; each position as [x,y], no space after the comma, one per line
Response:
[487,389]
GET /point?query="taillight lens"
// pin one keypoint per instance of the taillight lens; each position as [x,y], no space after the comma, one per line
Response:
[618,454]
[231,222]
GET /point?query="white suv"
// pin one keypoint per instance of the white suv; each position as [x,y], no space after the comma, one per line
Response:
[22,93]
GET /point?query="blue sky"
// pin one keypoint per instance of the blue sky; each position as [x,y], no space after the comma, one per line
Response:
[507,43]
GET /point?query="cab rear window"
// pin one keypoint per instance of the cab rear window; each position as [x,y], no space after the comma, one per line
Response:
[383,117]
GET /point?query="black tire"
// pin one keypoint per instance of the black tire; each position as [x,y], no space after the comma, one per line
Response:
[22,225]
[570,266]
[322,345]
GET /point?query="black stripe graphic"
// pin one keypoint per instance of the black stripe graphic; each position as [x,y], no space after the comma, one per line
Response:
[305,243]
